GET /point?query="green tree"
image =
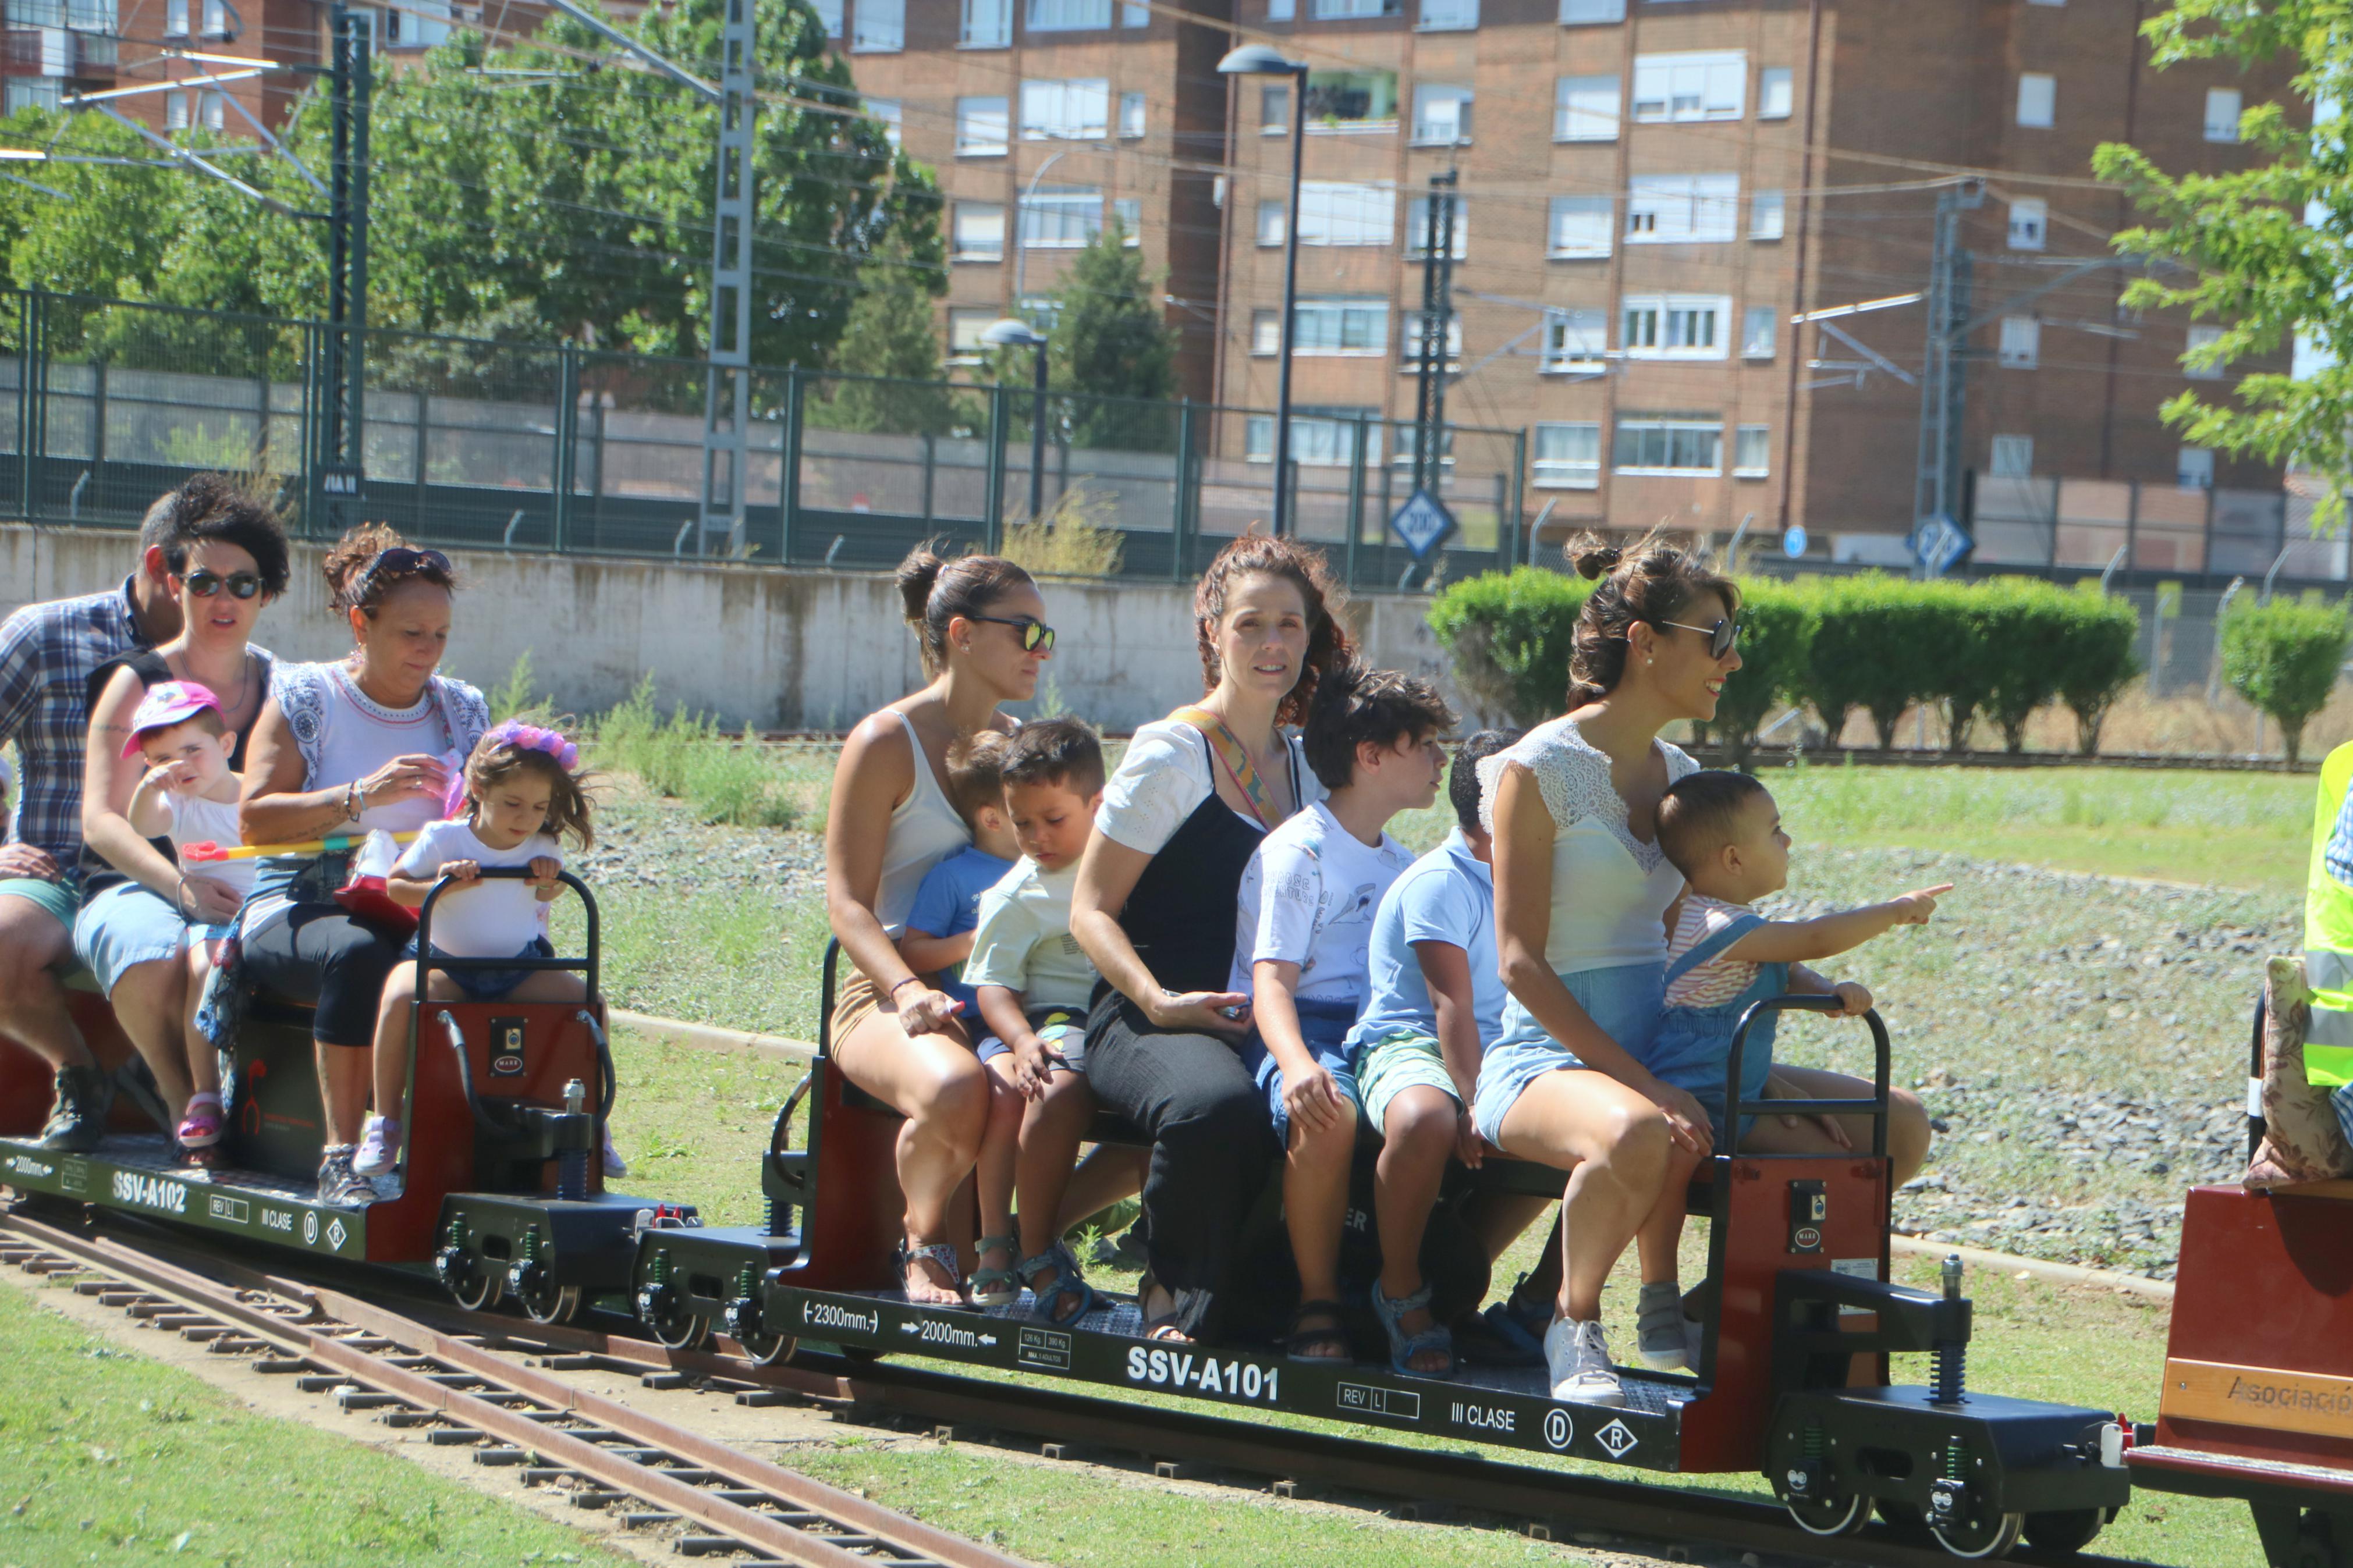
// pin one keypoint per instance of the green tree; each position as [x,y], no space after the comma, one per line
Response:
[2265,250]
[1111,350]
[889,334]
[2283,657]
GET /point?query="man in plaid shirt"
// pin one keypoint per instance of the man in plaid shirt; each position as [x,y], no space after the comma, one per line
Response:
[47,655]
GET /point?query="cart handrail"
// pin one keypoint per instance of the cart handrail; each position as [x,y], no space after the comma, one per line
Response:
[1877,1105]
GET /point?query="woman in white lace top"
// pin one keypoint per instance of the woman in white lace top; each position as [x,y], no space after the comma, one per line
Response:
[1582,891]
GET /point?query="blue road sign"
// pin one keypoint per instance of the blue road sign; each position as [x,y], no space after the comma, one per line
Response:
[1422,523]
[1939,545]
[1793,540]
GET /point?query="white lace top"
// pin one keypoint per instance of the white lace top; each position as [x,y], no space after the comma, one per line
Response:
[1610,890]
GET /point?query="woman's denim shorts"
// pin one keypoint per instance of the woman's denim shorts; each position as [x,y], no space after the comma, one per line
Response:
[123,927]
[1624,1004]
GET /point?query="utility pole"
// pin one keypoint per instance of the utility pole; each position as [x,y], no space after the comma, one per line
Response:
[339,471]
[1943,388]
[1437,313]
[727,415]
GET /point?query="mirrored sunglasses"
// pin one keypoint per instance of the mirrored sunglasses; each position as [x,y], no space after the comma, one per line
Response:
[204,585]
[1036,636]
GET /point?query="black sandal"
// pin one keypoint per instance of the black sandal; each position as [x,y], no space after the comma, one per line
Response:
[1295,1343]
[1163,1328]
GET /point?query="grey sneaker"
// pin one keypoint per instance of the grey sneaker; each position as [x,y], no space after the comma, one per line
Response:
[78,1119]
[340,1184]
[1669,1340]
[1577,1356]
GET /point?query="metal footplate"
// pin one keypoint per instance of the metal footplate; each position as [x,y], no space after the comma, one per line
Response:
[137,1173]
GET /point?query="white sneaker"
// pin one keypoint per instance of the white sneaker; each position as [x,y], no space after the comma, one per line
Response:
[1577,1357]
[614,1164]
[379,1142]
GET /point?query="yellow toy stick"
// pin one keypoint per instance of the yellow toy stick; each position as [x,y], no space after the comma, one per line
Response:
[209,851]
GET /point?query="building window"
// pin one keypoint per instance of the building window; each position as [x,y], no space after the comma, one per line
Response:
[175,111]
[1773,93]
[987,25]
[964,327]
[2038,100]
[1336,213]
[1353,10]
[2222,114]
[2029,220]
[886,110]
[979,233]
[1752,452]
[1339,327]
[980,126]
[2021,341]
[2203,337]
[1579,228]
[1065,110]
[1668,444]
[1269,223]
[1266,332]
[881,27]
[1274,108]
[2194,468]
[1568,456]
[175,19]
[1587,13]
[1759,326]
[1131,114]
[1690,86]
[1683,209]
[1584,109]
[1352,101]
[1417,229]
[1129,212]
[1280,10]
[1066,16]
[1764,215]
[1442,115]
[216,15]
[1134,15]
[1061,217]
[828,14]
[1410,350]
[2012,457]
[1320,437]
[1673,326]
[210,111]
[1448,16]
[1042,311]
[1574,342]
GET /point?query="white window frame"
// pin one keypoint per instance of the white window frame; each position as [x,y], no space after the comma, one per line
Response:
[1442,114]
[1576,342]
[880,28]
[2010,458]
[1372,326]
[889,111]
[1131,115]
[1670,326]
[1344,214]
[2193,469]
[1129,211]
[2029,223]
[1270,95]
[1371,125]
[1671,426]
[1077,109]
[1320,437]
[2202,334]
[1690,88]
[1282,10]
[1775,92]
[1447,15]
[1061,217]
[214,16]
[973,125]
[175,111]
[1744,437]
[175,19]
[1587,107]
[1066,16]
[1417,228]
[1766,215]
[2022,343]
[212,113]
[974,220]
[1271,213]
[1683,209]
[2038,100]
[1352,10]
[1561,470]
[1591,12]
[985,25]
[2224,107]
[966,323]
[1760,332]
[828,14]
[1604,233]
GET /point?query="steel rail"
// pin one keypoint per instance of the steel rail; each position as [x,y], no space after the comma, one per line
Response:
[815,1523]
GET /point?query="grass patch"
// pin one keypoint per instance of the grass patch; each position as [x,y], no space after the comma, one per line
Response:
[725,778]
[110,1457]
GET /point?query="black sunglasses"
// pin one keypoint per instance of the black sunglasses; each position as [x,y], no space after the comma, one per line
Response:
[400,562]
[1037,637]
[204,585]
[1721,636]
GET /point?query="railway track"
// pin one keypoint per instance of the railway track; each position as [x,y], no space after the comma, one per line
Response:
[462,1369]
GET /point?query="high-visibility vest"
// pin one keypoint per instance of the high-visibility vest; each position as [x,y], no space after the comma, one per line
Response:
[2328,938]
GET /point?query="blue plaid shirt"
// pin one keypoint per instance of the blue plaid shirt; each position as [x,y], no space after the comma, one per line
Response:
[47,653]
[2338,856]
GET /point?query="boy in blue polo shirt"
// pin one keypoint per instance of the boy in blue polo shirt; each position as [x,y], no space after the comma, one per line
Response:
[1435,999]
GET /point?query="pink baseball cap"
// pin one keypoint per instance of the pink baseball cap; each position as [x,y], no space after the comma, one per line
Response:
[166,704]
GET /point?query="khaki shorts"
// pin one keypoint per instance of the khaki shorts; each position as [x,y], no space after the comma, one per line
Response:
[854,1000]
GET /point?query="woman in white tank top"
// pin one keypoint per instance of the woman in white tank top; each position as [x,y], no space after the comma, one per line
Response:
[982,626]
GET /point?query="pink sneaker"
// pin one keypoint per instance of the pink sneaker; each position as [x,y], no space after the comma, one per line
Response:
[201,1128]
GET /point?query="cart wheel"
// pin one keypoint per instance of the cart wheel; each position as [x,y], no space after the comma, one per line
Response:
[480,1291]
[1833,1515]
[560,1305]
[1980,1538]
[2068,1529]
[678,1329]
[769,1349]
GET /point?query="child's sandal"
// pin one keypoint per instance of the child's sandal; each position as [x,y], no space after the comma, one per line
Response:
[1404,1347]
[1065,1280]
[940,1255]
[1299,1345]
[994,1287]
[201,1127]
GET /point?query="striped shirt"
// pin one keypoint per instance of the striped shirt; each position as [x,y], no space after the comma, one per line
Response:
[1715,980]
[48,654]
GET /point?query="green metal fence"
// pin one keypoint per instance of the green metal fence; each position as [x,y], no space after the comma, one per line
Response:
[104,404]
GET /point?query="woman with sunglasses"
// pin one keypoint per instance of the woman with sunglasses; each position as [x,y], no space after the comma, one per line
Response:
[368,742]
[982,629]
[1582,891]
[138,904]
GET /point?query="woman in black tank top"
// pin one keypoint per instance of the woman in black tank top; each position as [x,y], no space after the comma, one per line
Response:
[1155,909]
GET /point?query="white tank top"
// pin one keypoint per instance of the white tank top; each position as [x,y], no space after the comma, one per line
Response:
[925,829]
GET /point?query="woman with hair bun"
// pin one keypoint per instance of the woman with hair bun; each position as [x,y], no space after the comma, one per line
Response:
[981,624]
[1582,890]
[370,741]
[1154,908]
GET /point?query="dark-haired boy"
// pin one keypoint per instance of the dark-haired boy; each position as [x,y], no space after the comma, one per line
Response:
[1434,999]
[1303,951]
[938,934]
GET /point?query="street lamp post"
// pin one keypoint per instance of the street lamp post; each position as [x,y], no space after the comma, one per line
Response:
[1009,333]
[1258,59]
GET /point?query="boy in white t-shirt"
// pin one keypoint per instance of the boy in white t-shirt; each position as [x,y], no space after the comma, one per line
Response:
[1303,952]
[189,795]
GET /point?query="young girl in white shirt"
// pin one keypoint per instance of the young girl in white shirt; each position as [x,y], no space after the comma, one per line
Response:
[520,793]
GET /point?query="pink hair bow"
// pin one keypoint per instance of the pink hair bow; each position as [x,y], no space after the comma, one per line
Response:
[523,737]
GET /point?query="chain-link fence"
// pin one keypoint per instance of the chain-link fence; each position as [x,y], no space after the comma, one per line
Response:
[106,404]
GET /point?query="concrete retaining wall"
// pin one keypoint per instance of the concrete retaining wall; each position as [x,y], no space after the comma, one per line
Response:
[753,645]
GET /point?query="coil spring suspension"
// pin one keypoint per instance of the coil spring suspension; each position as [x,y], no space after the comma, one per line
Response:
[1956,1459]
[775,1220]
[1949,1358]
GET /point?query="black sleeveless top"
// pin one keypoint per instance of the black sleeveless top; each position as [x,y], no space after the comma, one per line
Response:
[1181,916]
[96,872]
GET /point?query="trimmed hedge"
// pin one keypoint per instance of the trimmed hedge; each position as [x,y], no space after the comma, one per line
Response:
[2000,650]
[2282,657]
